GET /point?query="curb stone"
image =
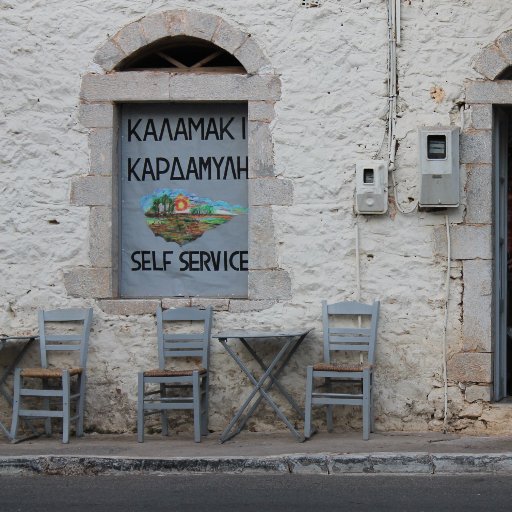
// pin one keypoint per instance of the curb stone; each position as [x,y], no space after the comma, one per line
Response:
[328,464]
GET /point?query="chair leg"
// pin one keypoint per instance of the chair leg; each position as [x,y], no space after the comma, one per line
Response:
[196,396]
[46,405]
[81,405]
[205,409]
[308,404]
[140,408]
[16,403]
[366,406]
[164,420]
[372,415]
[65,406]
[328,384]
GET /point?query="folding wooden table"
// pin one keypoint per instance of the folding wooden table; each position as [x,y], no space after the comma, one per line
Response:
[289,342]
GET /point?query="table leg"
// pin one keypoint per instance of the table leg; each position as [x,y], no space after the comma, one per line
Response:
[274,377]
[227,434]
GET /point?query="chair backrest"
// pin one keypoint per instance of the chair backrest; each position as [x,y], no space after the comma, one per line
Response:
[352,337]
[195,342]
[74,336]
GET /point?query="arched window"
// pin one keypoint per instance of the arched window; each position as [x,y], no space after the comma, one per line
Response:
[182,54]
[181,60]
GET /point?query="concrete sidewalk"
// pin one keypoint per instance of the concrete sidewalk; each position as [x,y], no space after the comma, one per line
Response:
[394,453]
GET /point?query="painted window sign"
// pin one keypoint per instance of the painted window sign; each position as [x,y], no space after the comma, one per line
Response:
[184,214]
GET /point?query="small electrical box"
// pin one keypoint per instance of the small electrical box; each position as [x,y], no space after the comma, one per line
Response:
[371,187]
[439,167]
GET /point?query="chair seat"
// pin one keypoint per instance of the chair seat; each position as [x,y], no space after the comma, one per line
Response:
[329,367]
[49,373]
[173,373]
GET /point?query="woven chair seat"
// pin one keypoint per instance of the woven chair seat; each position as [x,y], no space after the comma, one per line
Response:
[173,373]
[49,373]
[328,367]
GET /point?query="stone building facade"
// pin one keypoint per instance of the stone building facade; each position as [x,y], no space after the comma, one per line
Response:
[316,87]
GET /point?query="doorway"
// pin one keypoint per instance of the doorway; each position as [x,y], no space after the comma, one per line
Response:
[502,156]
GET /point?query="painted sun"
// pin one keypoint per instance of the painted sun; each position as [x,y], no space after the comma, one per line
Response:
[181,203]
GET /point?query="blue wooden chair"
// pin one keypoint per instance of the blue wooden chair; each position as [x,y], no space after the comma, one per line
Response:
[356,377]
[163,389]
[55,392]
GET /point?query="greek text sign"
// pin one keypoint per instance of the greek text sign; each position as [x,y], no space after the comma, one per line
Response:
[184,223]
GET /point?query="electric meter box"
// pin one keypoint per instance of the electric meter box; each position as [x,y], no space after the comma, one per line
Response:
[439,167]
[371,187]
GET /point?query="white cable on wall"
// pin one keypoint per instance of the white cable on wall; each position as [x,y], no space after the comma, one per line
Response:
[358,264]
[393,40]
[445,328]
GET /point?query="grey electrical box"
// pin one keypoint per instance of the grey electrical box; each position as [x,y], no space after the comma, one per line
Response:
[439,167]
[371,186]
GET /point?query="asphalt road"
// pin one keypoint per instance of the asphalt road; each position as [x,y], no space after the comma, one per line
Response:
[265,493]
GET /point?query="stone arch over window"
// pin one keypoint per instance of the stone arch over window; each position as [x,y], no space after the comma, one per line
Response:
[473,238]
[102,91]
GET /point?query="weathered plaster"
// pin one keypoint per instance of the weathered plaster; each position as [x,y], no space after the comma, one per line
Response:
[317,102]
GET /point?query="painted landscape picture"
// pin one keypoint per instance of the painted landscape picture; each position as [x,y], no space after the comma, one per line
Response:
[181,217]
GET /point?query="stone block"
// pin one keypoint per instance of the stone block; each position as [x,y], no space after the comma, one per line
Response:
[100,236]
[477,304]
[467,242]
[261,150]
[247,306]
[476,147]
[128,307]
[261,111]
[216,304]
[504,43]
[490,62]
[126,86]
[474,393]
[464,463]
[109,55]
[470,367]
[270,191]
[479,186]
[472,411]
[262,252]
[130,38]
[308,464]
[154,27]
[217,87]
[414,463]
[171,303]
[481,116]
[202,25]
[350,463]
[101,151]
[91,191]
[176,22]
[269,284]
[88,282]
[227,37]
[486,91]
[97,115]
[252,58]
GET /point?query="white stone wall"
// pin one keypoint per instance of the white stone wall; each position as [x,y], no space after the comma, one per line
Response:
[331,61]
